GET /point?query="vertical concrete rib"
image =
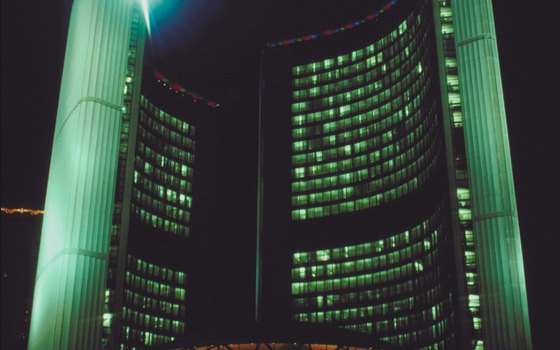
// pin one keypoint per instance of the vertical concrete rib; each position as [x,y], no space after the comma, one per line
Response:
[71,270]
[502,280]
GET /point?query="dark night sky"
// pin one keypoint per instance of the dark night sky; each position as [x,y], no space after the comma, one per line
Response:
[211,49]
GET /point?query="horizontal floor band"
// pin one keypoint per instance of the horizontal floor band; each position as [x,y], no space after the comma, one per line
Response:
[475,38]
[71,251]
[87,99]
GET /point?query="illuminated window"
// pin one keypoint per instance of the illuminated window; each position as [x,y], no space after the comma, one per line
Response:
[396,281]
[154,303]
[162,189]
[356,142]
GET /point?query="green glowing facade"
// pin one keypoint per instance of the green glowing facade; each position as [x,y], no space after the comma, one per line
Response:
[365,286]
[74,254]
[495,222]
[364,132]
[120,191]
[145,302]
[400,219]
[386,200]
[162,194]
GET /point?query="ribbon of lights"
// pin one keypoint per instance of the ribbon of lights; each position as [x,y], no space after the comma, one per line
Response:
[369,18]
[22,211]
[177,88]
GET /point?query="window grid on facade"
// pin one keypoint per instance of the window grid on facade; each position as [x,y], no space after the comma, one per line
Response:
[162,193]
[364,125]
[153,305]
[391,287]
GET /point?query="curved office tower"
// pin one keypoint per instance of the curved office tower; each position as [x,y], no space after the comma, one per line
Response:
[74,250]
[371,182]
[112,270]
[150,285]
[145,294]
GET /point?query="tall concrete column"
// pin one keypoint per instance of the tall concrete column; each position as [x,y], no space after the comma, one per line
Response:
[71,270]
[505,316]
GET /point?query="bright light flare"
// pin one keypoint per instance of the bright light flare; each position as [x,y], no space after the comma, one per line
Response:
[145,9]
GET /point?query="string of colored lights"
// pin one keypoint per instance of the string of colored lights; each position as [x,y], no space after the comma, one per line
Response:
[22,211]
[369,18]
[177,88]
